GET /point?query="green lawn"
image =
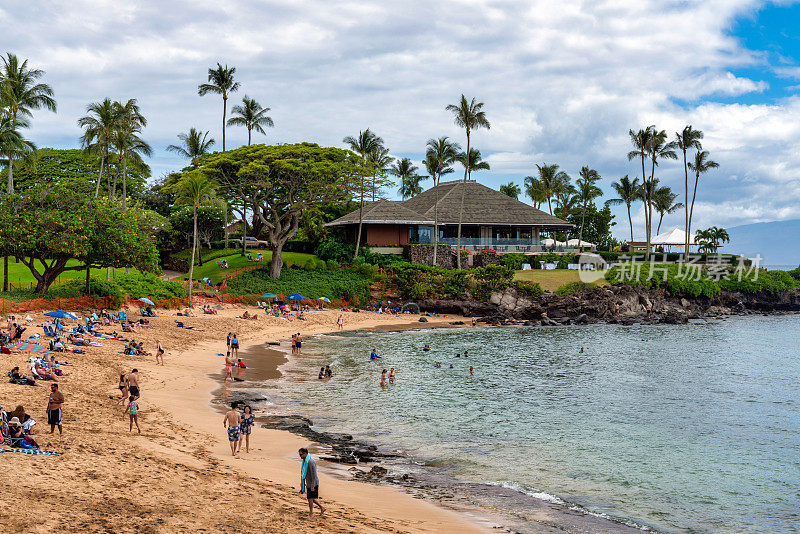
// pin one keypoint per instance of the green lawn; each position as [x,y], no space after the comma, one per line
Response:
[211,270]
[20,277]
[552,280]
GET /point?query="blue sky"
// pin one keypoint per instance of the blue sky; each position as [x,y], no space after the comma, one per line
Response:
[562,81]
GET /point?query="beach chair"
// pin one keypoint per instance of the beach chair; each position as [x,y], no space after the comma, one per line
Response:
[122,317]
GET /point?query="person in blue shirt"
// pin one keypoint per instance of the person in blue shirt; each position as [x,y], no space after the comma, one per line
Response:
[373,355]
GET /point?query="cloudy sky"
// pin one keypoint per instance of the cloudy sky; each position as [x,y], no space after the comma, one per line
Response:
[562,81]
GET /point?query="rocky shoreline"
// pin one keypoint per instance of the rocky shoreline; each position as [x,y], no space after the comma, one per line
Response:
[617,304]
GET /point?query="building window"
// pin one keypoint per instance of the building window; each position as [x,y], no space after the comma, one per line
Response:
[420,234]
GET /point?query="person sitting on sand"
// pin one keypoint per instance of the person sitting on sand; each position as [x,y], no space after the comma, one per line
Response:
[245,427]
[188,312]
[231,422]
[19,378]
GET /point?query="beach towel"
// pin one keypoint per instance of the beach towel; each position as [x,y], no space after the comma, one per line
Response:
[29,346]
[33,451]
[303,470]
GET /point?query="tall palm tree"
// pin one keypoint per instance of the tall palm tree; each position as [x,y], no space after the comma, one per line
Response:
[409,179]
[687,139]
[252,116]
[380,161]
[443,153]
[700,165]
[627,193]
[535,190]
[511,189]
[220,82]
[566,196]
[664,203]
[587,192]
[21,92]
[99,124]
[470,116]
[550,178]
[13,145]
[658,148]
[641,143]
[474,162]
[363,144]
[194,145]
[127,141]
[193,189]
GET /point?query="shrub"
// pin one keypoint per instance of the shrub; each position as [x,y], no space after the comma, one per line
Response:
[527,288]
[491,278]
[149,285]
[343,283]
[563,262]
[310,264]
[333,265]
[574,287]
[514,260]
[331,249]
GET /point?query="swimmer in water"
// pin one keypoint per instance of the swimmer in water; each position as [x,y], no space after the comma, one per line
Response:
[437,364]
[383,377]
[458,355]
[391,375]
[465,353]
[471,372]
[426,348]
[451,366]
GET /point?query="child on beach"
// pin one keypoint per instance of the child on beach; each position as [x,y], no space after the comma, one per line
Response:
[132,409]
[340,321]
[228,367]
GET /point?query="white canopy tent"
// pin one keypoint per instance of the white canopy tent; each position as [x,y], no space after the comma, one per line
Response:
[676,237]
[549,242]
[579,243]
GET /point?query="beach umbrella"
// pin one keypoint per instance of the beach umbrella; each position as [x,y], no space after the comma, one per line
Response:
[61,314]
[147,301]
[269,296]
[324,299]
[295,296]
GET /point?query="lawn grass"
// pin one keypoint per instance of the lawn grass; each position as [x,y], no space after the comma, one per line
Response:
[552,280]
[20,277]
[210,269]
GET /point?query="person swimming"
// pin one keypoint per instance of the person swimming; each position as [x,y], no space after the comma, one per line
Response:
[471,372]
[321,373]
[426,348]
[451,366]
[373,355]
[391,375]
[383,377]
[437,364]
[458,355]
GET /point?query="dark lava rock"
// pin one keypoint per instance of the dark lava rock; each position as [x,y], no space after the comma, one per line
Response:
[423,320]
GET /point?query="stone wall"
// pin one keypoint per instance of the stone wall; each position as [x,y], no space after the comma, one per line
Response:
[424,254]
[482,260]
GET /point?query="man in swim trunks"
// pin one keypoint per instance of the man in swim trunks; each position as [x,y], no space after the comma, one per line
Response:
[298,341]
[232,421]
[133,383]
[54,403]
[228,367]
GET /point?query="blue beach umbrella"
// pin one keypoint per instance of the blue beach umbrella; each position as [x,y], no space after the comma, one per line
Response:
[269,296]
[147,301]
[324,299]
[61,314]
[295,296]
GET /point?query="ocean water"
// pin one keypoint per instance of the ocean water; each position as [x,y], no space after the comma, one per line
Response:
[689,428]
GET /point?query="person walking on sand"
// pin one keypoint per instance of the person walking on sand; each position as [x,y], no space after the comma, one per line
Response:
[132,409]
[123,388]
[309,482]
[294,344]
[246,427]
[133,383]
[231,422]
[228,367]
[298,341]
[340,321]
[54,403]
[159,352]
[235,345]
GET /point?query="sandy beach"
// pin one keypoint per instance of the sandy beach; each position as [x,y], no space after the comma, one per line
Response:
[178,475]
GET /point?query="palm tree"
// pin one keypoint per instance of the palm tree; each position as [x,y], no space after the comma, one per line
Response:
[193,189]
[587,192]
[535,190]
[442,153]
[712,238]
[658,148]
[220,83]
[511,189]
[566,196]
[252,116]
[627,193]
[409,179]
[99,124]
[685,140]
[550,179]
[127,141]
[194,145]
[641,142]
[365,143]
[380,160]
[470,116]
[13,145]
[664,203]
[700,165]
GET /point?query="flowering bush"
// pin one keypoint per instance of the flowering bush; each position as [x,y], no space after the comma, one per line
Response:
[488,252]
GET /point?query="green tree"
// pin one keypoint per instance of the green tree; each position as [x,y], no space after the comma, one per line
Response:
[194,145]
[379,162]
[220,82]
[534,188]
[587,192]
[710,239]
[685,140]
[252,116]
[598,223]
[193,189]
[406,171]
[467,114]
[440,154]
[627,193]
[551,180]
[47,226]
[365,143]
[282,182]
[511,189]
[701,164]
[664,203]
[73,168]
[129,145]
[100,124]
[641,143]
[565,194]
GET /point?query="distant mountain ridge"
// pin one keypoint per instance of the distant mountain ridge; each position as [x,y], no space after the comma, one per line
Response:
[777,242]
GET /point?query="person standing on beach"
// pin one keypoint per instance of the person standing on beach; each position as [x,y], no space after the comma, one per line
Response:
[340,321]
[133,383]
[309,482]
[228,367]
[228,341]
[246,426]
[298,341]
[235,345]
[159,352]
[132,409]
[54,403]
[231,422]
[294,344]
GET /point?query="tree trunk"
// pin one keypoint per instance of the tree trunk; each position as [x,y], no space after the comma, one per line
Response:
[249,131]
[224,114]
[277,261]
[461,211]
[10,185]
[88,278]
[630,221]
[691,210]
[644,186]
[194,247]
[580,235]
[686,205]
[436,220]
[226,225]
[658,231]
[244,228]
[360,221]
[99,177]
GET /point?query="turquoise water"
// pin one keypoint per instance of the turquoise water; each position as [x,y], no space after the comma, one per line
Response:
[690,428]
